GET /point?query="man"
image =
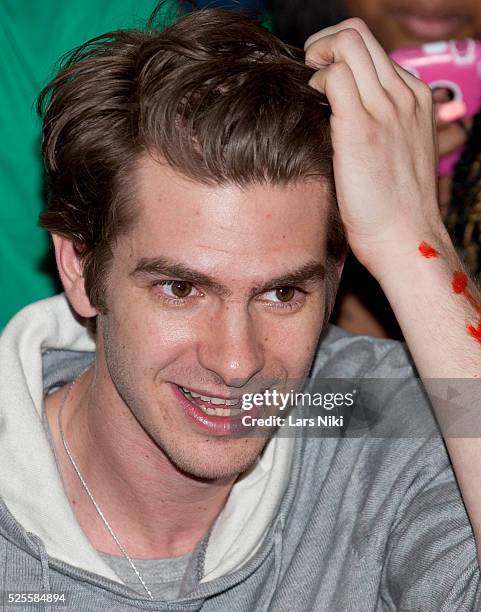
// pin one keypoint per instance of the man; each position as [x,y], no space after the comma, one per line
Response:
[194,224]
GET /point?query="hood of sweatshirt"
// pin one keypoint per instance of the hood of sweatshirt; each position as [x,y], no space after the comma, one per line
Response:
[46,333]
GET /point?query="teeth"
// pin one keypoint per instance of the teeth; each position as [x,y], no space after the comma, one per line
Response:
[215,401]
[219,411]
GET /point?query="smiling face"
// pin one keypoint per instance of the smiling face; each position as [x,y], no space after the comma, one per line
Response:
[407,23]
[215,289]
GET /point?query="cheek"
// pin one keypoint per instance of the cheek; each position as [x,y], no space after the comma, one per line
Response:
[147,336]
[380,20]
[293,339]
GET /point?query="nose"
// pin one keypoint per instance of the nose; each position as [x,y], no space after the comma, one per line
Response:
[231,347]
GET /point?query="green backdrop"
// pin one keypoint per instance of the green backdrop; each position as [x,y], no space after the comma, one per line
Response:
[33,36]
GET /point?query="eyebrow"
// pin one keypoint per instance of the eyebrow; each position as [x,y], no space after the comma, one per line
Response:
[310,272]
[161,266]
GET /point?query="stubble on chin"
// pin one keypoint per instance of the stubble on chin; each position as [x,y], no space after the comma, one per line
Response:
[216,459]
[191,453]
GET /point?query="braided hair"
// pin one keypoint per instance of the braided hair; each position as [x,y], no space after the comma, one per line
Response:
[464,216]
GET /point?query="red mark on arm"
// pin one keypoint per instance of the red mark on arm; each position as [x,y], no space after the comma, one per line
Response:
[460,286]
[475,332]
[460,282]
[427,250]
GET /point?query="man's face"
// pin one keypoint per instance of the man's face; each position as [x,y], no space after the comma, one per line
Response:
[215,290]
[406,23]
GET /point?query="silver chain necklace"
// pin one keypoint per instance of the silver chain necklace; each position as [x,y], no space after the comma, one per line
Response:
[87,490]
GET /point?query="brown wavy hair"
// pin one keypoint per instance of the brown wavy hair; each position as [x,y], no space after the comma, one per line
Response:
[217,96]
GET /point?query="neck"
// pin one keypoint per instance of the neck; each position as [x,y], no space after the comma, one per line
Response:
[154,509]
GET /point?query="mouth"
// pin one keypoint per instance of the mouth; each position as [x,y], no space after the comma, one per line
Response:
[211,405]
[428,26]
[217,416]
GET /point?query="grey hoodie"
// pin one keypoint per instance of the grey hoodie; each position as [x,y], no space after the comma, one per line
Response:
[362,522]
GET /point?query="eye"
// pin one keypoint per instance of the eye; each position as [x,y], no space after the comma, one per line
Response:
[176,291]
[285,298]
[285,294]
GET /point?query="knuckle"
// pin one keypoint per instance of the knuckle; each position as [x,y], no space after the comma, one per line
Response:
[406,98]
[356,23]
[349,37]
[312,57]
[423,89]
[425,93]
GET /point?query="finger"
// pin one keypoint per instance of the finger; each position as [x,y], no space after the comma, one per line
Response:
[382,63]
[412,82]
[348,47]
[337,82]
[416,89]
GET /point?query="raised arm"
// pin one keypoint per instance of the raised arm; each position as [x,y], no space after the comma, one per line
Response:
[384,142]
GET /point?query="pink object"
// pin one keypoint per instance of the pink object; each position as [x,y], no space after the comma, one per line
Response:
[452,111]
[455,66]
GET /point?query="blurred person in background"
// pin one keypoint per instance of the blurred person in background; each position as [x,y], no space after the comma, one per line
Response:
[361,306]
[395,23]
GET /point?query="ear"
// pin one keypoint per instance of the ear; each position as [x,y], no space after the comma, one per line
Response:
[70,269]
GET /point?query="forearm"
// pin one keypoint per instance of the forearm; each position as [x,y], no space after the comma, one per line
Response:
[383,138]
[439,312]
[436,305]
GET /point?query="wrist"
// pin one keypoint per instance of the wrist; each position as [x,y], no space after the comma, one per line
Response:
[405,252]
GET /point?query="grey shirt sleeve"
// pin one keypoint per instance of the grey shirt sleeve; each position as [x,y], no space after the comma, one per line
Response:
[412,520]
[431,562]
